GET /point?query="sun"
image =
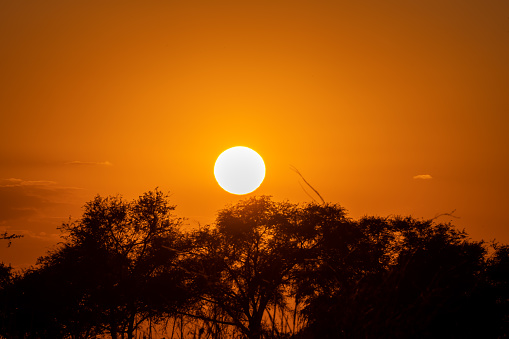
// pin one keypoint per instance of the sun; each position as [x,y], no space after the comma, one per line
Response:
[239,170]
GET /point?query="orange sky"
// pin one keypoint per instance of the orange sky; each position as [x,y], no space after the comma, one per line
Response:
[107,97]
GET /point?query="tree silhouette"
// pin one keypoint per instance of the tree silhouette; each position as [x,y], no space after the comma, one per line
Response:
[264,269]
[346,253]
[246,263]
[427,280]
[495,293]
[6,280]
[6,271]
[114,269]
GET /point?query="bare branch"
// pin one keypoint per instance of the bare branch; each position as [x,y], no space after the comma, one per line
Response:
[450,214]
[307,183]
[9,237]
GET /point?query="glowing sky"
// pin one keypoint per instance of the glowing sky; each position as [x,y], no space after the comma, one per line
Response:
[385,107]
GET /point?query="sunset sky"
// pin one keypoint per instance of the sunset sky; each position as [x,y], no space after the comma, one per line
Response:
[385,107]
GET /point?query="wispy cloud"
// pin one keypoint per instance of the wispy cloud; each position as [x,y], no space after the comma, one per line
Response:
[13,182]
[35,209]
[423,176]
[89,163]
[28,198]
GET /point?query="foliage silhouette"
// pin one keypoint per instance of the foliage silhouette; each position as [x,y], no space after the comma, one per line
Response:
[431,284]
[246,263]
[112,272]
[264,269]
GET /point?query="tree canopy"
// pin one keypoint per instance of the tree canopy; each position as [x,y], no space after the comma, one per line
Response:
[264,269]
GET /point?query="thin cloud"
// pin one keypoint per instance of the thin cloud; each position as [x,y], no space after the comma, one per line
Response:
[13,182]
[89,163]
[34,209]
[423,176]
[23,199]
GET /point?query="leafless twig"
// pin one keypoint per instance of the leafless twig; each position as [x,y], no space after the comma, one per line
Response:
[450,214]
[9,237]
[307,183]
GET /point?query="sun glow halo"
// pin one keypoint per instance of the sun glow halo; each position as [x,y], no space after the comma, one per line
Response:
[239,170]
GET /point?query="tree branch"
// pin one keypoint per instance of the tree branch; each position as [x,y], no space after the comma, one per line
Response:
[307,183]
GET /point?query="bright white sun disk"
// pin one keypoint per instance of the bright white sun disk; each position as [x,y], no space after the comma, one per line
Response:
[239,170]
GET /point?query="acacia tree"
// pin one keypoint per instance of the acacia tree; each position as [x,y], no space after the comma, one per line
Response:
[244,264]
[114,270]
[345,253]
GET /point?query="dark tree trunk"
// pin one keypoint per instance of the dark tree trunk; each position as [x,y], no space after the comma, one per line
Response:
[255,328]
[130,327]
